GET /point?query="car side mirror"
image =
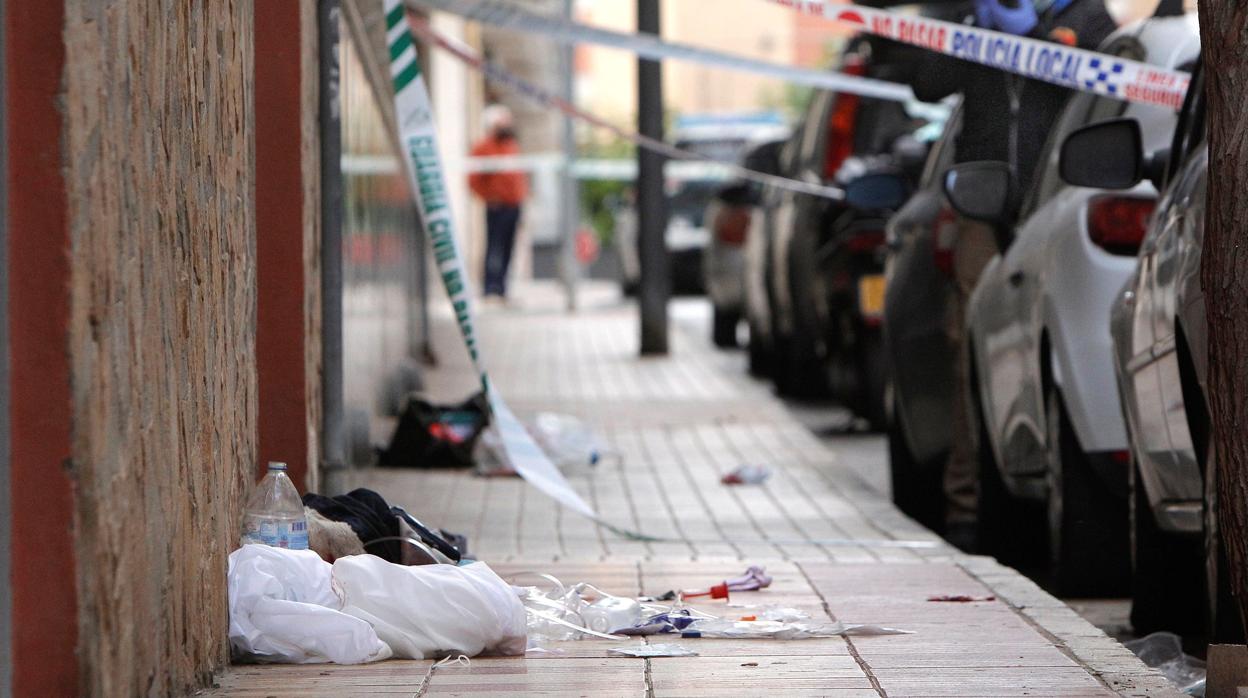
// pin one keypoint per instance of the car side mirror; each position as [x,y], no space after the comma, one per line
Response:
[1105,155]
[876,192]
[982,191]
[1155,166]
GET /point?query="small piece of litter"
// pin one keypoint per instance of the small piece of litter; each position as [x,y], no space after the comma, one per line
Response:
[961,598]
[750,664]
[747,475]
[645,651]
[753,579]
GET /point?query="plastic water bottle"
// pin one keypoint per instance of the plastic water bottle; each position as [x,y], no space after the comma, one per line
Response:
[274,514]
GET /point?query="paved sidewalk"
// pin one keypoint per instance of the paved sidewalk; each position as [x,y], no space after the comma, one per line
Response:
[835,547]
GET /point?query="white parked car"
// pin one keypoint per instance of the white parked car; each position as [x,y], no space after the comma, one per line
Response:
[724,138]
[732,217]
[1039,328]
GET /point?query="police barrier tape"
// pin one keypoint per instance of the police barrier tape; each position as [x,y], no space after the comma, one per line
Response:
[600,169]
[1076,68]
[418,138]
[545,98]
[510,16]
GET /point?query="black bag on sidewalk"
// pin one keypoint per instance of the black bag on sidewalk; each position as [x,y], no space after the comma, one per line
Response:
[436,436]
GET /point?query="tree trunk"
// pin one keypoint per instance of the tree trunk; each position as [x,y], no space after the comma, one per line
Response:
[1224,272]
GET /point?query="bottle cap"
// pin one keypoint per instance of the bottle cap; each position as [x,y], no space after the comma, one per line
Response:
[276,465]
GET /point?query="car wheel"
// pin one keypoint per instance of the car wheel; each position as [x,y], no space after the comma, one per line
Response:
[799,370]
[1088,535]
[759,354]
[918,488]
[872,367]
[1011,530]
[1167,572]
[724,328]
[797,374]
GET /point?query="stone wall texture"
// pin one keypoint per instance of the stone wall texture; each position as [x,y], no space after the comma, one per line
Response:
[159,170]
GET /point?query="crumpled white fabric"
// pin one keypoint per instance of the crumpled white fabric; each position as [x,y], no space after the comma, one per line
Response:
[432,611]
[283,609]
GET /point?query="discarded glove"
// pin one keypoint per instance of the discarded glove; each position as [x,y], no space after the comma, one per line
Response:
[1011,16]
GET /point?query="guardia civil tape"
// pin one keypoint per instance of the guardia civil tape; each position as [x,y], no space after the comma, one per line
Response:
[1076,68]
[510,16]
[496,73]
[418,138]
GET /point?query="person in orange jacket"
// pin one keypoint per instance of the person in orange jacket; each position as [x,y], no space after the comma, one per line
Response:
[503,194]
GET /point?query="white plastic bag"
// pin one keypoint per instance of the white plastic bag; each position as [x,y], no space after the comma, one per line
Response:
[432,611]
[283,609]
[567,440]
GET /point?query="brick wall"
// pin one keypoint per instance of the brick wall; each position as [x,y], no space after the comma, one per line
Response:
[159,173]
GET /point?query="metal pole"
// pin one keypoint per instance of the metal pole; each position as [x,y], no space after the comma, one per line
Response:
[569,214]
[655,287]
[333,424]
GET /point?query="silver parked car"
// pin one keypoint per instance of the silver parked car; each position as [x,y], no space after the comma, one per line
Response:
[1038,324]
[1159,332]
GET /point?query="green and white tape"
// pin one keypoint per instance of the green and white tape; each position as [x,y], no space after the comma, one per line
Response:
[418,137]
[419,141]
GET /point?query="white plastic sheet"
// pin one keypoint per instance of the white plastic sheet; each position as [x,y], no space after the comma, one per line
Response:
[283,609]
[432,611]
[776,630]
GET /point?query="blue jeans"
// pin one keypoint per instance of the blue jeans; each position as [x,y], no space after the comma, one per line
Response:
[500,227]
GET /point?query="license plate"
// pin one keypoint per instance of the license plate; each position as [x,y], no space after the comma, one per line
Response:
[871,295]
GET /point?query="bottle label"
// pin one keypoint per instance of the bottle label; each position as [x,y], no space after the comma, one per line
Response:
[285,534]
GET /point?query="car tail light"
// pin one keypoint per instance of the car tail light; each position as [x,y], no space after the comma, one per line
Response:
[865,241]
[944,235]
[732,224]
[840,135]
[1120,457]
[1117,224]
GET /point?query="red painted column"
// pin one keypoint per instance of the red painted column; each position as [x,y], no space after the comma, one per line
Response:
[45,615]
[279,240]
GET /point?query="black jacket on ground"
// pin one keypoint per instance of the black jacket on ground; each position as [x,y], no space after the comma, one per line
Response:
[987,93]
[367,513]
